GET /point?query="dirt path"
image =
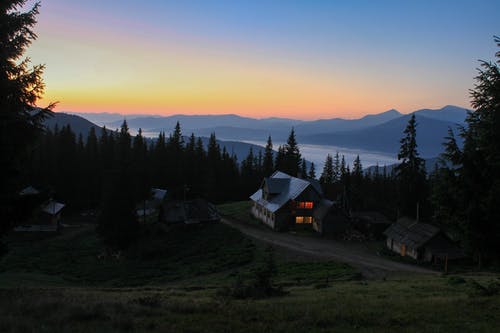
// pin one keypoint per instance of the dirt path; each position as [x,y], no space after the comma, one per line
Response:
[370,264]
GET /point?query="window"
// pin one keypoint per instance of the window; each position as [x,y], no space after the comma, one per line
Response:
[303,219]
[304,205]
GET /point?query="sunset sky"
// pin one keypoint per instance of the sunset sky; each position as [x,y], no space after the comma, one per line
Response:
[305,59]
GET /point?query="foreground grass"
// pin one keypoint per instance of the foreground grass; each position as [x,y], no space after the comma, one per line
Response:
[170,281]
[238,211]
[414,305]
[159,257]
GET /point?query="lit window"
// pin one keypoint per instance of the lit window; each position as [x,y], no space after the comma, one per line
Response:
[304,205]
[303,219]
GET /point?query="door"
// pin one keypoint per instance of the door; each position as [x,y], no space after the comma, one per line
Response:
[403,250]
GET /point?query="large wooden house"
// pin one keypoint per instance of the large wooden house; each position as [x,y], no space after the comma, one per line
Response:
[284,201]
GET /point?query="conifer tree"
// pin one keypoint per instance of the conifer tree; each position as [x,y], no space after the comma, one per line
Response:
[473,174]
[268,162]
[303,169]
[292,156]
[336,168]
[411,172]
[21,86]
[280,159]
[326,177]
[312,171]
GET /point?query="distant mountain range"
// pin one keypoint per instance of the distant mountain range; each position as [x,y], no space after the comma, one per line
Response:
[82,126]
[379,132]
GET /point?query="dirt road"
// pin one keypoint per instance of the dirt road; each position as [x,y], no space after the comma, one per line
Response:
[355,254]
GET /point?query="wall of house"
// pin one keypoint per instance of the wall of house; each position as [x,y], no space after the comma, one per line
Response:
[261,213]
[440,241]
[397,247]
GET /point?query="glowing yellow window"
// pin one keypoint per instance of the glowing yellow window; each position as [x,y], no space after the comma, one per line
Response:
[303,219]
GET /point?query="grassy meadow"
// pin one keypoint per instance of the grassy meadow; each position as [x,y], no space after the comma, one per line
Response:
[171,281]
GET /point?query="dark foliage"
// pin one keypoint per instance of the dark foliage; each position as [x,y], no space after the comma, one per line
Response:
[467,186]
[21,86]
[411,173]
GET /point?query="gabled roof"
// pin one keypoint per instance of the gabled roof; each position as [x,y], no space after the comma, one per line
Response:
[411,233]
[30,190]
[290,188]
[276,185]
[52,207]
[158,193]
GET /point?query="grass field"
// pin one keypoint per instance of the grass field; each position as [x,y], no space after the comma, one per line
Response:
[170,281]
[238,211]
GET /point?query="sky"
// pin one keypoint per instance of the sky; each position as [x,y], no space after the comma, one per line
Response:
[306,59]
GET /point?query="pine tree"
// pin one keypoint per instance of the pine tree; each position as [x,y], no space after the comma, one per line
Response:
[356,185]
[312,171]
[292,156]
[327,175]
[124,145]
[268,163]
[303,169]
[336,168]
[474,175]
[280,159]
[411,172]
[20,88]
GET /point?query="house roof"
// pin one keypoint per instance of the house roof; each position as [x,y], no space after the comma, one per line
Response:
[158,193]
[411,233]
[52,207]
[30,190]
[290,188]
[276,185]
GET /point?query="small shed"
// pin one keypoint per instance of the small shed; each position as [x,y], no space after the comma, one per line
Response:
[47,218]
[189,212]
[421,241]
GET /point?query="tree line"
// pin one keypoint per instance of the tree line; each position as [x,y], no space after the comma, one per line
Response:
[116,169]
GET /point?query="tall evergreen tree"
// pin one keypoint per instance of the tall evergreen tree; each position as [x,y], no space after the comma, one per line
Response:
[280,159]
[336,168]
[292,158]
[411,172]
[268,163]
[312,171]
[303,169]
[474,174]
[20,88]
[327,175]
[356,185]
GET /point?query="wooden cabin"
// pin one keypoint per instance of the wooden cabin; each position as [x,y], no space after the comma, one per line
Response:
[421,241]
[189,212]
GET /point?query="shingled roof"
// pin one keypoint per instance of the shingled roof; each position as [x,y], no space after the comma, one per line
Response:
[411,233]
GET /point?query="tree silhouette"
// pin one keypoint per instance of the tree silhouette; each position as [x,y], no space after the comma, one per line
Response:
[21,86]
[410,172]
[268,163]
[472,175]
